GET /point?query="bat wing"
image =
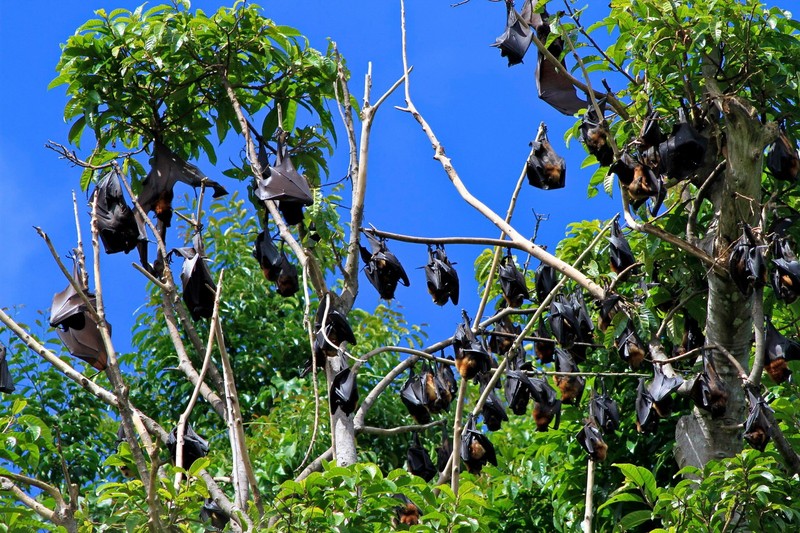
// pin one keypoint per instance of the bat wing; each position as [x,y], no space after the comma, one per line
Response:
[494,414]
[516,38]
[518,391]
[284,183]
[786,279]
[512,283]
[419,462]
[662,386]
[683,152]
[287,283]
[443,453]
[198,286]
[268,256]
[194,446]
[344,392]
[555,88]
[757,427]
[646,417]
[86,343]
[782,160]
[545,281]
[6,382]
[118,227]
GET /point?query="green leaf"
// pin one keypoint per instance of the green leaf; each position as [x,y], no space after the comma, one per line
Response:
[634,519]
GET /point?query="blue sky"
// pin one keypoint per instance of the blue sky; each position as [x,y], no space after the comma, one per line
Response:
[484,112]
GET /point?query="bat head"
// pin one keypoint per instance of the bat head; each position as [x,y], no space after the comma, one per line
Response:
[782,160]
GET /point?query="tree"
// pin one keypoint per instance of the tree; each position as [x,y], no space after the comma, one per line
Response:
[163,81]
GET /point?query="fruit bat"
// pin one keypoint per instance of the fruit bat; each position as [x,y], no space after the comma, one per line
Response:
[77,328]
[471,355]
[408,513]
[778,350]
[494,414]
[630,347]
[444,451]
[344,392]
[337,330]
[419,462]
[502,337]
[594,134]
[415,398]
[591,440]
[213,513]
[543,346]
[512,282]
[268,256]
[650,135]
[546,405]
[285,185]
[692,335]
[545,168]
[785,279]
[432,389]
[441,277]
[683,151]
[518,391]
[563,322]
[608,308]
[620,252]
[571,387]
[287,283]
[757,429]
[118,227]
[646,416]
[709,391]
[476,448]
[585,327]
[199,288]
[640,181]
[661,389]
[782,160]
[194,446]
[383,269]
[6,382]
[516,38]
[307,368]
[604,411]
[446,386]
[546,281]
[552,83]
[746,264]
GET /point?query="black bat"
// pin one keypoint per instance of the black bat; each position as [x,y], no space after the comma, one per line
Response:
[591,440]
[585,327]
[512,282]
[545,169]
[471,355]
[432,388]
[546,404]
[516,38]
[336,329]
[446,386]
[194,446]
[785,279]
[683,151]
[415,398]
[285,185]
[608,308]
[709,391]
[119,229]
[442,278]
[661,389]
[287,283]
[782,160]
[344,392]
[494,414]
[546,280]
[408,513]
[502,337]
[778,350]
[621,255]
[604,411]
[692,335]
[444,451]
[746,264]
[630,347]
[211,512]
[650,135]
[543,346]
[757,428]
[646,416]
[571,387]
[476,448]
[419,462]
[199,288]
[269,258]
[594,134]
[6,382]
[563,322]
[640,181]
[518,391]
[383,269]
[76,327]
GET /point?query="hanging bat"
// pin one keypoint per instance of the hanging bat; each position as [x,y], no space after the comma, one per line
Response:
[337,330]
[471,355]
[621,255]
[442,278]
[585,327]
[512,282]
[344,392]
[415,398]
[546,281]
[563,322]
[6,382]
[545,169]
[476,448]
[661,389]
[782,160]
[287,283]
[571,387]
[285,185]
[709,391]
[518,391]
[516,38]
[608,308]
[646,416]
[650,135]
[757,429]
[494,414]
[432,388]
[408,513]
[604,411]
[630,347]
[591,440]
[76,327]
[546,405]
[785,279]
[594,134]
[444,451]
[419,462]
[640,181]
[211,512]
[544,347]
[446,386]
[269,258]
[692,335]
[199,289]
[746,264]
[194,446]
[778,350]
[118,228]
[684,150]
[383,269]
[502,337]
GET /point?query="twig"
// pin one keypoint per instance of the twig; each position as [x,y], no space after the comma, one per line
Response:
[757,312]
[79,255]
[694,209]
[310,331]
[384,432]
[586,525]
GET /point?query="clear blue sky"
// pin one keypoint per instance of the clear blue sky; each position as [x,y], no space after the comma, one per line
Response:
[484,112]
